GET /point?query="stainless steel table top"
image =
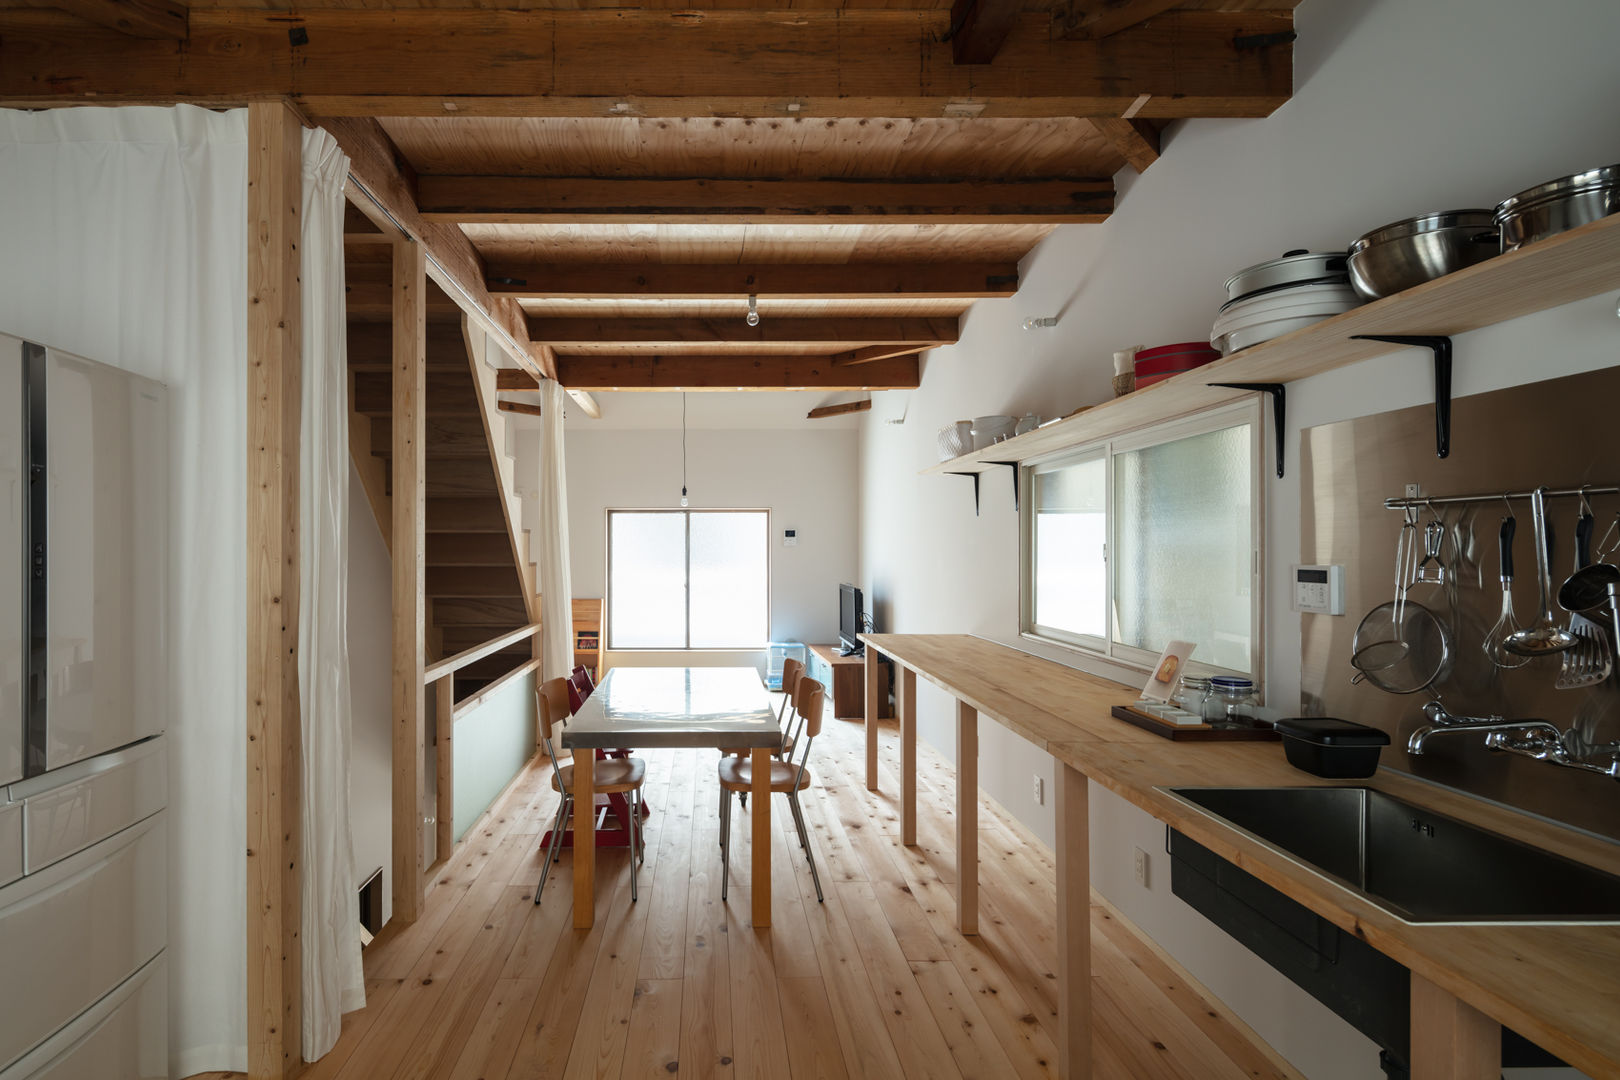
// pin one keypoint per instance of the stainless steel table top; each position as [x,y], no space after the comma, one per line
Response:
[676,706]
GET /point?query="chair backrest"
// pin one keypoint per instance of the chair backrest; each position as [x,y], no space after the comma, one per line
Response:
[812,696]
[551,697]
[791,671]
[581,682]
[575,698]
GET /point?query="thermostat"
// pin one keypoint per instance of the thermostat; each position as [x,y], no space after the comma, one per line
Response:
[1319,589]
[790,537]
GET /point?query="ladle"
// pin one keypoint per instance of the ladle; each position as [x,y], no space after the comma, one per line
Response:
[1544,636]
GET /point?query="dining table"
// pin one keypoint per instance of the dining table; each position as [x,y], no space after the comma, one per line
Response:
[658,708]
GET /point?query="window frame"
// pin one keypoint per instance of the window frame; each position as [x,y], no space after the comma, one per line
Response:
[607,585]
[1106,449]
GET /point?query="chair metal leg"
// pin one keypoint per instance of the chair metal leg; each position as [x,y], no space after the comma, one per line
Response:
[554,847]
[798,823]
[810,856]
[634,829]
[725,843]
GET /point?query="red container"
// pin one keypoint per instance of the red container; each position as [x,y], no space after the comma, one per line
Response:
[1157,364]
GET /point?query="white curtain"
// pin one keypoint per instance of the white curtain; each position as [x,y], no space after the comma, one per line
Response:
[123,239]
[333,982]
[556,601]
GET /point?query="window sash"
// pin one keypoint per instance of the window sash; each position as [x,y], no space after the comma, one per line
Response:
[610,633]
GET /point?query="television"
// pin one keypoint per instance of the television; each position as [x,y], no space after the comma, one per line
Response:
[849,620]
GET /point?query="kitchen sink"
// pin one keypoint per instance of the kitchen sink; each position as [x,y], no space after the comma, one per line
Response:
[1419,866]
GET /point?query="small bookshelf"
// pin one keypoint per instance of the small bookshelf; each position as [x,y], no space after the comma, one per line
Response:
[587,615]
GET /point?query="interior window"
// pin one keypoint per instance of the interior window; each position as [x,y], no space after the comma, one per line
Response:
[688,579]
[1136,542]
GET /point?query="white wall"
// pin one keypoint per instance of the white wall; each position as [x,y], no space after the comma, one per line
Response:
[1401,107]
[371,630]
[807,479]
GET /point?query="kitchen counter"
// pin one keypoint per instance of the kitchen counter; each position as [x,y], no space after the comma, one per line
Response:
[1558,985]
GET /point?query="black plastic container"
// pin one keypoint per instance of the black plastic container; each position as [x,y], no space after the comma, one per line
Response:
[1332,748]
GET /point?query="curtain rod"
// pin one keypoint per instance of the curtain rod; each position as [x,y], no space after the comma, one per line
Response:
[1453,500]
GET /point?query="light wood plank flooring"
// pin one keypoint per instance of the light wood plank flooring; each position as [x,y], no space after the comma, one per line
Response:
[875,982]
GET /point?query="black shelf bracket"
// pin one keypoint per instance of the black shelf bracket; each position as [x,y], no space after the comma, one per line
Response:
[1279,410]
[1013,465]
[1441,346]
[975,478]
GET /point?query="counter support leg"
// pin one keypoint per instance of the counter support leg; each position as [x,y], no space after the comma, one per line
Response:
[908,757]
[872,671]
[759,886]
[1073,924]
[584,839]
[967,818]
[1451,1040]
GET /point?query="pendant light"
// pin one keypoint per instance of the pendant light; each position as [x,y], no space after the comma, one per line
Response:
[683,447]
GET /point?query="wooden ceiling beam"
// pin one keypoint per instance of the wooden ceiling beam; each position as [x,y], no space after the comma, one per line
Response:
[515,379]
[833,281]
[1093,20]
[780,64]
[978,28]
[159,20]
[837,332]
[733,371]
[1137,140]
[546,200]
[838,410]
[873,352]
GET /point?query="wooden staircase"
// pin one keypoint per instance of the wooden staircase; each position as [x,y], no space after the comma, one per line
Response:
[478,584]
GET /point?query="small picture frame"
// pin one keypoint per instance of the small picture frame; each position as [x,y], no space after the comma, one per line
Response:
[1167,671]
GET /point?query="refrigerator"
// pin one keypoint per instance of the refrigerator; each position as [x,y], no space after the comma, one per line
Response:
[84,523]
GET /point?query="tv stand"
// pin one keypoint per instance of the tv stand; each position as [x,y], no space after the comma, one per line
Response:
[859,650]
[845,680]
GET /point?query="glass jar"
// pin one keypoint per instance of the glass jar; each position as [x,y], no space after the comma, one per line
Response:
[1194,688]
[1236,697]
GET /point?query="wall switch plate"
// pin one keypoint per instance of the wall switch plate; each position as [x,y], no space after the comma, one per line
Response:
[790,537]
[1141,868]
[1040,791]
[1319,589]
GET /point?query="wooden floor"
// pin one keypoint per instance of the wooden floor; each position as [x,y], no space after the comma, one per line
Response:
[875,982]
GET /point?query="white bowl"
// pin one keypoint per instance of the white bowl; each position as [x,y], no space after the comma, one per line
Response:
[988,430]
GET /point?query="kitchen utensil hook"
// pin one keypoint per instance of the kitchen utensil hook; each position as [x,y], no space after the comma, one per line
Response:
[1441,346]
[1586,507]
[1610,542]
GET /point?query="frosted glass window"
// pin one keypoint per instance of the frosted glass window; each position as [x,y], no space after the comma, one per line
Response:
[1182,541]
[688,579]
[730,577]
[1070,591]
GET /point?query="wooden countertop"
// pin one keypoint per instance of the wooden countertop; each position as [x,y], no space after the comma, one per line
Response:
[1557,985]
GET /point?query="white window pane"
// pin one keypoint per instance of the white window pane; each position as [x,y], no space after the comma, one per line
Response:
[647,593]
[730,583]
[1182,546]
[1071,527]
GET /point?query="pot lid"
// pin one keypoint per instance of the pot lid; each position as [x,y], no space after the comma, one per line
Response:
[1564,186]
[1331,731]
[1427,223]
[1293,264]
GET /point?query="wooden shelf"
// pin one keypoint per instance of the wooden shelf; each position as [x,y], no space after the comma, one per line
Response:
[1558,270]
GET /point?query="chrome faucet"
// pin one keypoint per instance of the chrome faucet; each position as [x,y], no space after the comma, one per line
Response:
[1536,739]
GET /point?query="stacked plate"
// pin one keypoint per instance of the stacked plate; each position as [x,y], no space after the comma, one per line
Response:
[1271,299]
[1158,364]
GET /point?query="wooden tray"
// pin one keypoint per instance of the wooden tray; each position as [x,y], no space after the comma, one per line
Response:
[1193,732]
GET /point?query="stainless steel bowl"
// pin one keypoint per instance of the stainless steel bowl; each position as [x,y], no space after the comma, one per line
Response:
[1407,253]
[1558,206]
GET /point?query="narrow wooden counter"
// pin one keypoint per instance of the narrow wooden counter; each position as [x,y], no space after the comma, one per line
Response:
[1558,985]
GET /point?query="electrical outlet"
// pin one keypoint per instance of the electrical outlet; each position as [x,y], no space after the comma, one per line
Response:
[1040,791]
[1141,868]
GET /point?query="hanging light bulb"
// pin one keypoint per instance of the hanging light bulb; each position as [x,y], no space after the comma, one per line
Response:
[753,311]
[683,447]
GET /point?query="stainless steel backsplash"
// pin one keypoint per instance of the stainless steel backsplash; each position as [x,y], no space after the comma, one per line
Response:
[1559,433]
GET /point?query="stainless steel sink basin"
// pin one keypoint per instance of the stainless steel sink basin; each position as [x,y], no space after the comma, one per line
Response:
[1417,865]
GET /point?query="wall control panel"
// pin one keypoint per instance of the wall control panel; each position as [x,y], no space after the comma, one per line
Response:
[1319,589]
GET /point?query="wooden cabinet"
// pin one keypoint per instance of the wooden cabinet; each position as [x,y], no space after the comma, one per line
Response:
[845,679]
[588,635]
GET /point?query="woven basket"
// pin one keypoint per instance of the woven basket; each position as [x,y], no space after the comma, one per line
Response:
[1124,384]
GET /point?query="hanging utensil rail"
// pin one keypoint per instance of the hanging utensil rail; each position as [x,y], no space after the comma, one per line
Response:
[1497,496]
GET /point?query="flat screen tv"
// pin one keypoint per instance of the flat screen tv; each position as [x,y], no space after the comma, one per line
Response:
[849,620]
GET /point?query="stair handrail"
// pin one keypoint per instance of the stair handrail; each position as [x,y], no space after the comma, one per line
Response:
[452,664]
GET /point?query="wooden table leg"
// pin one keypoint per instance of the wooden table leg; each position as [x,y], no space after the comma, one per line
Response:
[760,885]
[872,670]
[1073,924]
[908,757]
[967,818]
[1451,1040]
[584,840]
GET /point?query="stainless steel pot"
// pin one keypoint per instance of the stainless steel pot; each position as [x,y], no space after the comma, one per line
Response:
[1407,253]
[1558,206]
[1294,268]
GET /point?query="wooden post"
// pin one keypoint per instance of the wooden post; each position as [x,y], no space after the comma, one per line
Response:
[444,767]
[1073,924]
[760,887]
[967,818]
[585,838]
[410,391]
[1450,1039]
[908,757]
[274,732]
[872,670]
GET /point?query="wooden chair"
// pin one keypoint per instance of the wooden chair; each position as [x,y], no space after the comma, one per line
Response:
[787,777]
[622,776]
[793,677]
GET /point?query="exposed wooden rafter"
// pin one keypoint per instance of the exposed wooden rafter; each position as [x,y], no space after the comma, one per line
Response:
[978,28]
[873,352]
[838,410]
[515,379]
[659,281]
[572,333]
[547,200]
[522,408]
[1080,20]
[733,371]
[780,64]
[157,19]
[1138,140]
